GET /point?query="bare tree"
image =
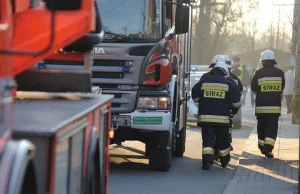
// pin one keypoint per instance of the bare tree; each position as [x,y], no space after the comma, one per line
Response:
[225,18]
[216,28]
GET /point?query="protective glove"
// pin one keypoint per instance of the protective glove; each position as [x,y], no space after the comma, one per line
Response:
[233,112]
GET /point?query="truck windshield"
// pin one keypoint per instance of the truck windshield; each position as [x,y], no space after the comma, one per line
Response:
[138,20]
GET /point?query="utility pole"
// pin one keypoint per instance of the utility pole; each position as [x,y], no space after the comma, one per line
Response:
[295,51]
[277,38]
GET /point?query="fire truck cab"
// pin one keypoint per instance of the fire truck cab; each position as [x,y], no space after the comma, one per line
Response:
[144,62]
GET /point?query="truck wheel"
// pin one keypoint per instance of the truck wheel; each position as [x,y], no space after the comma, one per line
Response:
[160,158]
[29,181]
[173,142]
[180,142]
[150,147]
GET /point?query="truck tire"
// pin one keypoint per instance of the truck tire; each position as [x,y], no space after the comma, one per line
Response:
[29,181]
[181,135]
[160,156]
[173,142]
[180,142]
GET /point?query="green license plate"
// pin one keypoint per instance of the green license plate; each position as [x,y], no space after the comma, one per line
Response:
[147,120]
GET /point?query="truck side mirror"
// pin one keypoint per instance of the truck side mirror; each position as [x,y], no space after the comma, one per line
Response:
[63,5]
[182,19]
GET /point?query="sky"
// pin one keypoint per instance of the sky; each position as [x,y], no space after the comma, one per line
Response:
[269,11]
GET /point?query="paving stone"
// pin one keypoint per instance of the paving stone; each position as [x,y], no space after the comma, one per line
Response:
[257,174]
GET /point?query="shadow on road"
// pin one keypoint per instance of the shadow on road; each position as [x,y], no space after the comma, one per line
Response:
[267,170]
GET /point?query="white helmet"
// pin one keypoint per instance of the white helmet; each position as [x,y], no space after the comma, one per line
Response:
[218,58]
[227,61]
[267,55]
[223,67]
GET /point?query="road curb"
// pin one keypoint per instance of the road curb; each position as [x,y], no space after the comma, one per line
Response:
[229,189]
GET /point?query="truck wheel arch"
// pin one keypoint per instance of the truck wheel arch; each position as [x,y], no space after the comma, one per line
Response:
[92,172]
[22,178]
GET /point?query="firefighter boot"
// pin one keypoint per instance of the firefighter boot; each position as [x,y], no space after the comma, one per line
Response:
[207,161]
[269,154]
[225,161]
[206,166]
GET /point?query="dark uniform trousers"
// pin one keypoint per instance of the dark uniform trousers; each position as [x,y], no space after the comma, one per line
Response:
[230,132]
[229,137]
[215,136]
[267,128]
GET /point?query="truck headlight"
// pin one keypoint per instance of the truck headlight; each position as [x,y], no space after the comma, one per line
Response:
[154,103]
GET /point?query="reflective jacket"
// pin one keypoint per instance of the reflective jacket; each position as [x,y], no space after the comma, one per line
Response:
[232,78]
[216,96]
[238,71]
[237,81]
[268,84]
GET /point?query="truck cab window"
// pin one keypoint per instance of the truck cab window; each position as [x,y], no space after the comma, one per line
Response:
[131,19]
[168,20]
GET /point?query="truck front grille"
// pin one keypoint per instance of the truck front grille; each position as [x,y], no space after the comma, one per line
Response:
[108,75]
[112,63]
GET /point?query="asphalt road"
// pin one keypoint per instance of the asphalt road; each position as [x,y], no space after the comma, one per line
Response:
[129,172]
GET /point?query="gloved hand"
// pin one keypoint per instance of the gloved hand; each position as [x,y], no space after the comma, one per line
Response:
[234,112]
[232,116]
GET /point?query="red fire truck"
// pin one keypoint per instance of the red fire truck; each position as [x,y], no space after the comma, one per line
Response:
[50,141]
[144,62]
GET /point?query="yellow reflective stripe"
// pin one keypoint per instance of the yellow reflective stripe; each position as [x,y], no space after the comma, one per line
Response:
[208,151]
[270,82]
[224,152]
[269,141]
[214,88]
[213,116]
[269,79]
[261,142]
[213,120]
[230,131]
[268,111]
[216,84]
[236,105]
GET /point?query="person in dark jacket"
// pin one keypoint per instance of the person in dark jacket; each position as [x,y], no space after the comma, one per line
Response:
[268,84]
[252,95]
[231,77]
[240,86]
[218,100]
[245,82]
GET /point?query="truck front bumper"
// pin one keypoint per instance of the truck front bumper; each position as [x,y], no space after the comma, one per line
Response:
[148,121]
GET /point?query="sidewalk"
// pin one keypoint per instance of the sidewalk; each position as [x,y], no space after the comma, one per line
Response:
[257,174]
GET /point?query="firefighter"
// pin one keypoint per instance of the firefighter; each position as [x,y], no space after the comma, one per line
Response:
[240,86]
[233,78]
[217,98]
[268,84]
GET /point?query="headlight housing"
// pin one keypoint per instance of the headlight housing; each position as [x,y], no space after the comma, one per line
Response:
[154,102]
